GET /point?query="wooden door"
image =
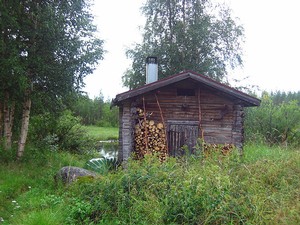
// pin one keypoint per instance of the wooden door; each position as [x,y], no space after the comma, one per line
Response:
[182,133]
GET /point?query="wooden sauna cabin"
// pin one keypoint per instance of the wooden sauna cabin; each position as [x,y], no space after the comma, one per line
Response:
[166,114]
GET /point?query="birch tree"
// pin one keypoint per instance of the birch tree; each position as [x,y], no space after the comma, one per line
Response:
[9,68]
[57,48]
[186,35]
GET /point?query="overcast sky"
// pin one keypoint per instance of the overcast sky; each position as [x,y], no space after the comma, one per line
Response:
[271,49]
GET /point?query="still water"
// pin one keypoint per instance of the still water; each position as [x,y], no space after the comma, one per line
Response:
[108,149]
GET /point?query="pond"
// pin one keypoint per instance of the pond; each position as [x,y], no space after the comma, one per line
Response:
[108,149]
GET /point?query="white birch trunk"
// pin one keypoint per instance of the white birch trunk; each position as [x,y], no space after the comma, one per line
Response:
[1,121]
[24,127]
[6,122]
[8,112]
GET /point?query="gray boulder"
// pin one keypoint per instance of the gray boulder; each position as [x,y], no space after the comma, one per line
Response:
[68,174]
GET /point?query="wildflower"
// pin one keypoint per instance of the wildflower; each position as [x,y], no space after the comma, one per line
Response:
[14,201]
[200,178]
[1,219]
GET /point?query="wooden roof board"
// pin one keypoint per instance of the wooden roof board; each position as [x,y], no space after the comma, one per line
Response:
[246,99]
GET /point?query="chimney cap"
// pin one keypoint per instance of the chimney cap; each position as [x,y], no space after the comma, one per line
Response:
[151,59]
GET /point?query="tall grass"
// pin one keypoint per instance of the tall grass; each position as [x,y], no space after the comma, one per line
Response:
[28,194]
[262,187]
[257,189]
[254,152]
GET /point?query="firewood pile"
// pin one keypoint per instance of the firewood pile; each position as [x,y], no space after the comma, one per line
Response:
[150,137]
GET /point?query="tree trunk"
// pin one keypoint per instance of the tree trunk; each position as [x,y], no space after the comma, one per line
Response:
[1,121]
[8,112]
[24,127]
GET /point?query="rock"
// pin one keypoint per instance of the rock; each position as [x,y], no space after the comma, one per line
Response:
[68,174]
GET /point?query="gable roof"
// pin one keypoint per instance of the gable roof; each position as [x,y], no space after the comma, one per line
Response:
[201,79]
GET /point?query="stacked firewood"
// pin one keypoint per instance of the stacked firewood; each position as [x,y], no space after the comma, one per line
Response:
[150,137]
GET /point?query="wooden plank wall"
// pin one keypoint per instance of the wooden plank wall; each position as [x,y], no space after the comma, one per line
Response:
[220,117]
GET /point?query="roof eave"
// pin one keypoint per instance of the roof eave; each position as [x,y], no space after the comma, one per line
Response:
[245,98]
[149,87]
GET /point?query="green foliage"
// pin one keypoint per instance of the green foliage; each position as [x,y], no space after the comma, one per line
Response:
[95,111]
[7,156]
[42,130]
[70,134]
[214,190]
[274,123]
[110,116]
[186,35]
[79,209]
[49,45]
[193,191]
[28,194]
[88,109]
[47,48]
[279,97]
[62,133]
[102,165]
[12,79]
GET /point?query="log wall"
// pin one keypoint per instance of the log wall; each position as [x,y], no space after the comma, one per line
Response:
[219,119]
[125,131]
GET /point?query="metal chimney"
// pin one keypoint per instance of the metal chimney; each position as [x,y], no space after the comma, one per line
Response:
[151,69]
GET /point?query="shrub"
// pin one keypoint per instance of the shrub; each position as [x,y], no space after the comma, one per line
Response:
[273,123]
[63,133]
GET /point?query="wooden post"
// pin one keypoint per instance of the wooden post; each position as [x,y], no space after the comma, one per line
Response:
[146,129]
[163,121]
[200,114]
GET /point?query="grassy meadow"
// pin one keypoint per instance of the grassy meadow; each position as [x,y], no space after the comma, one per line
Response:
[102,133]
[261,187]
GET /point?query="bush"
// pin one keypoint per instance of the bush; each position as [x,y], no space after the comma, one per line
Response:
[273,123]
[62,133]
